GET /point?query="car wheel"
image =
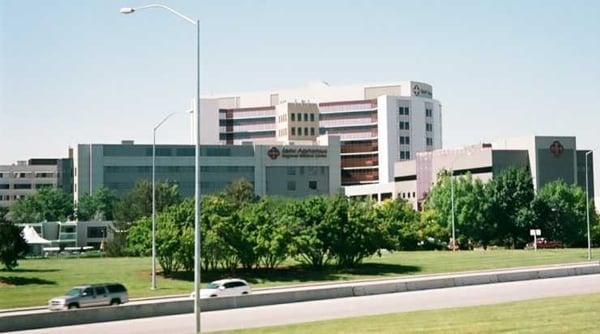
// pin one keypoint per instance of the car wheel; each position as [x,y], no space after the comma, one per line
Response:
[73,306]
[115,301]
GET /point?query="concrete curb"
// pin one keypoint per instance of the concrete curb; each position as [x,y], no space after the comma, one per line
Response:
[300,294]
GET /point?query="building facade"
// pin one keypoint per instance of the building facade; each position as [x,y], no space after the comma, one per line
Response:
[547,158]
[277,170]
[378,124]
[26,177]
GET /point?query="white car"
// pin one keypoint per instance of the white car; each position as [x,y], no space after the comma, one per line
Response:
[225,288]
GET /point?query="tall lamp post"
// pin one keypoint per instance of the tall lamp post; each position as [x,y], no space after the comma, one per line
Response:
[196,23]
[587,205]
[153,287]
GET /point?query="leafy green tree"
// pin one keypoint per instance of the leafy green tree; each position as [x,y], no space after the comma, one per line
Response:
[510,194]
[560,212]
[401,224]
[473,213]
[433,231]
[353,229]
[273,234]
[240,192]
[215,251]
[48,204]
[139,237]
[98,206]
[137,203]
[12,245]
[311,240]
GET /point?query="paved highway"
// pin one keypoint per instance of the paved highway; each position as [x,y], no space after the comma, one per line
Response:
[345,307]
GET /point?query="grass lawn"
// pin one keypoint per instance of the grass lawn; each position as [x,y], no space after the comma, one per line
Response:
[573,314]
[37,280]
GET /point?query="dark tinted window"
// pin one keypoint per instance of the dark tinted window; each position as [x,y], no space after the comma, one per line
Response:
[116,288]
[100,290]
[88,292]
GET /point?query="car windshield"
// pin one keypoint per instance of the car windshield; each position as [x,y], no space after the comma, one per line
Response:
[212,286]
[73,292]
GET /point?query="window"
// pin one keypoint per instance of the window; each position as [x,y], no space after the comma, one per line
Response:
[428,113]
[312,117]
[96,232]
[406,111]
[312,131]
[306,131]
[299,131]
[429,141]
[305,117]
[414,194]
[299,117]
[401,110]
[428,127]
[407,140]
[402,155]
[1,175]
[293,130]
[312,185]
[22,186]
[293,117]
[401,125]
[407,155]
[291,185]
[88,292]
[406,126]
[402,140]
[291,171]
[100,290]
[4,186]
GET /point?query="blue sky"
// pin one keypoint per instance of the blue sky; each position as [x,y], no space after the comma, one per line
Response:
[78,71]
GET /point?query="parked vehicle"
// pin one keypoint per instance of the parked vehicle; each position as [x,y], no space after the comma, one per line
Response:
[90,295]
[545,243]
[224,288]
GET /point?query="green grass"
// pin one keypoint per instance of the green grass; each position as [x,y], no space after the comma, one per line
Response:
[37,280]
[573,314]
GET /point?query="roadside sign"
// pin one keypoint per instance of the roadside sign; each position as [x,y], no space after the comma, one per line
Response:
[535,233]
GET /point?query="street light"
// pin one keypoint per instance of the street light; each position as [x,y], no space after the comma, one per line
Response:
[196,23]
[587,205]
[153,287]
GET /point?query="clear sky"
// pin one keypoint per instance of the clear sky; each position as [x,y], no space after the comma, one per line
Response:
[79,71]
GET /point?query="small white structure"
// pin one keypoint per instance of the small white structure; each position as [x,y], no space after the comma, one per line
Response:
[34,240]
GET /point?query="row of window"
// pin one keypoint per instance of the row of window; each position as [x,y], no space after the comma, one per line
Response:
[299,117]
[24,186]
[408,195]
[403,111]
[404,126]
[308,170]
[404,155]
[404,140]
[428,127]
[306,130]
[23,175]
[177,169]
[291,185]
[428,113]
[136,151]
[10,197]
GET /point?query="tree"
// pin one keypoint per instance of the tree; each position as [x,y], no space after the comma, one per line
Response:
[48,204]
[473,213]
[273,234]
[559,211]
[510,194]
[139,237]
[353,230]
[137,203]
[215,251]
[401,224]
[240,192]
[12,245]
[98,206]
[310,242]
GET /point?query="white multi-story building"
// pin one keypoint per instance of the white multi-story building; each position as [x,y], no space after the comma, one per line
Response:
[378,124]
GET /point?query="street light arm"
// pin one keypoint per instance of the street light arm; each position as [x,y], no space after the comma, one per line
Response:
[131,10]
[167,117]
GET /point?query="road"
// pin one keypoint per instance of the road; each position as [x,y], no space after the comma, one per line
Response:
[345,307]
